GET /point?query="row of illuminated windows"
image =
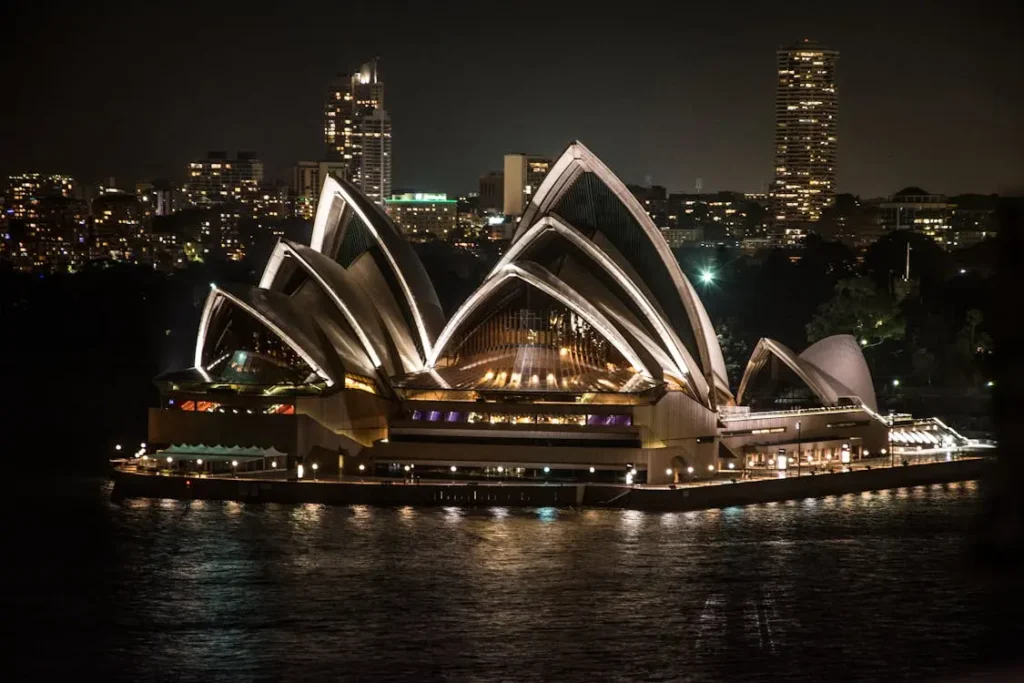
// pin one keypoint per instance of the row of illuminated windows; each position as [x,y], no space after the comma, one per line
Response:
[473,417]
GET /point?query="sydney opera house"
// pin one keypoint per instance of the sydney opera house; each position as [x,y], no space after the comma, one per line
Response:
[586,354]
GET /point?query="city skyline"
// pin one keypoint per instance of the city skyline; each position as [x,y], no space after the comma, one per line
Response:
[694,100]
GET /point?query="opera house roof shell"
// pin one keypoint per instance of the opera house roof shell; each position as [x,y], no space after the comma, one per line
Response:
[587,302]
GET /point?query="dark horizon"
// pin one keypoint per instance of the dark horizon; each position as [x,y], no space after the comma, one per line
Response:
[928,96]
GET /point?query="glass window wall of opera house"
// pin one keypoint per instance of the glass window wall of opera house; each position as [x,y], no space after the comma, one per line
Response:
[585,354]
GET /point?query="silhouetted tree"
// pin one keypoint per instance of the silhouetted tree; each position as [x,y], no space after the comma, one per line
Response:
[859,308]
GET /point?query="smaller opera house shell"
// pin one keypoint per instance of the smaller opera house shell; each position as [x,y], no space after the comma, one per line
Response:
[586,350]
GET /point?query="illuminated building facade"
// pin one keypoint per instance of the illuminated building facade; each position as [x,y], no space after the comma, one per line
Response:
[357,131]
[218,179]
[421,215]
[806,114]
[585,352]
[43,224]
[920,211]
[375,160]
[119,232]
[523,175]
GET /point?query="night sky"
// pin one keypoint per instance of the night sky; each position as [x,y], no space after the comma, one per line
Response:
[930,93]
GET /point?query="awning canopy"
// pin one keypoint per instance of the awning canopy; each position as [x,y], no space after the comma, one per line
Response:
[218,453]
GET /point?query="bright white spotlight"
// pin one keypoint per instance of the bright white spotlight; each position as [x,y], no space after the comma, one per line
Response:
[707,277]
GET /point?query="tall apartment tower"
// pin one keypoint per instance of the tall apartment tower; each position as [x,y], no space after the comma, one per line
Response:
[805,136]
[354,118]
[375,161]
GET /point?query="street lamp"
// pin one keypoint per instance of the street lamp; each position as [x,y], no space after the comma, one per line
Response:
[315,468]
[117,447]
[592,470]
[799,451]
[199,462]
[892,455]
[234,467]
[895,383]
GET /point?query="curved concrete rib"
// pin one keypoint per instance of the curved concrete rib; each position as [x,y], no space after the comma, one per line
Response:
[319,270]
[682,362]
[334,191]
[578,159]
[827,388]
[541,279]
[217,293]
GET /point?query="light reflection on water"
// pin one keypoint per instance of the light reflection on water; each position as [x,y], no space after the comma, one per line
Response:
[858,586]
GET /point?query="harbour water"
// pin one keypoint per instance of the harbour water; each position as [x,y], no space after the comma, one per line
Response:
[852,587]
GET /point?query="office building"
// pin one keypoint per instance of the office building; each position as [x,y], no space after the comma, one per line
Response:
[492,192]
[913,208]
[423,216]
[218,179]
[523,175]
[805,136]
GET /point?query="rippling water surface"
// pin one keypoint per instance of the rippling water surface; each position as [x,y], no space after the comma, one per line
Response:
[848,587]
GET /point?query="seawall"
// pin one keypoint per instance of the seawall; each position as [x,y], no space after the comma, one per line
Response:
[137,485]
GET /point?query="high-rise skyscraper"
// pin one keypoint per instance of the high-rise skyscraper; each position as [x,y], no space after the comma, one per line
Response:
[357,130]
[375,160]
[805,136]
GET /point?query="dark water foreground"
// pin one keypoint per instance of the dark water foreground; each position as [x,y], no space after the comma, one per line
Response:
[853,587]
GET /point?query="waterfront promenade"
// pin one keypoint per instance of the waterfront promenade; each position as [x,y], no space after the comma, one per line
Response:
[695,496]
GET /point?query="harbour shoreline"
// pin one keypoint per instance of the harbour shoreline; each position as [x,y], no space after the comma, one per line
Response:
[128,484]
